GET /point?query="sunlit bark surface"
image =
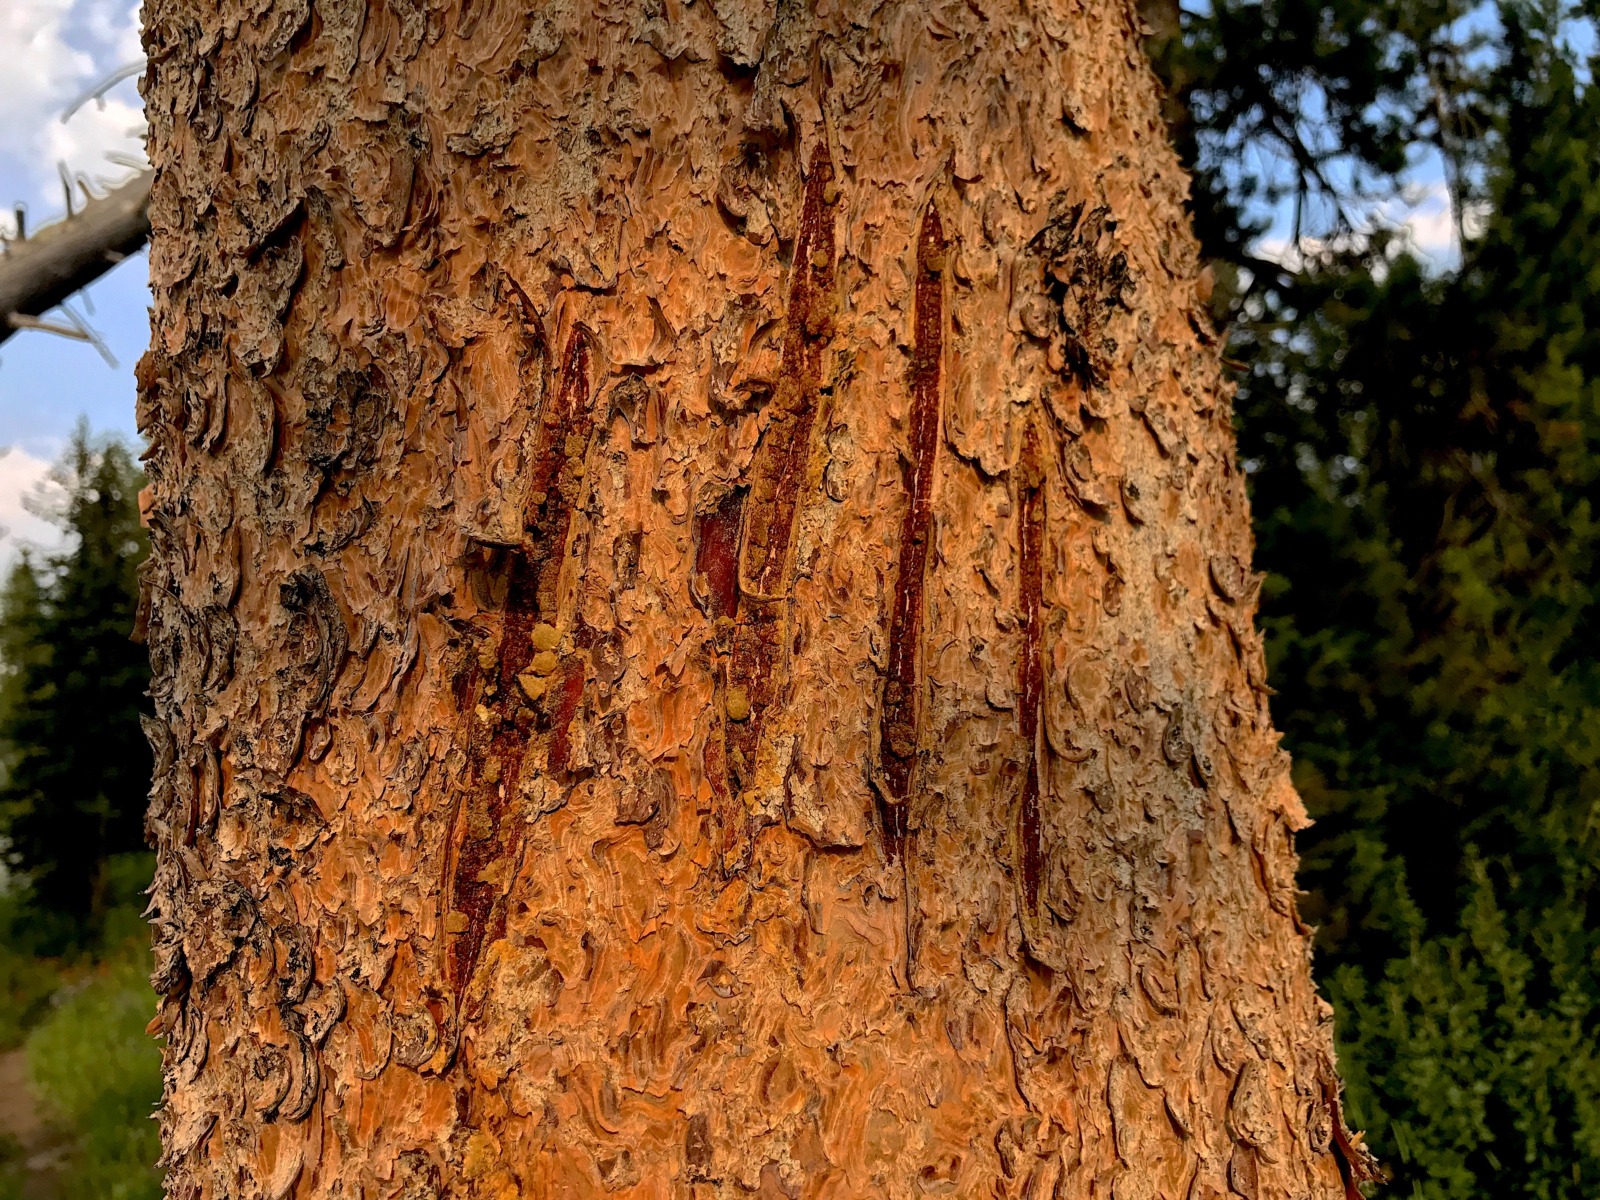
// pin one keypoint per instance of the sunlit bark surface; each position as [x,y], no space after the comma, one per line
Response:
[703,618]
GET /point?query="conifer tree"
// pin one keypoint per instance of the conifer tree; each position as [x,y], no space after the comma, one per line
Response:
[1424,451]
[76,763]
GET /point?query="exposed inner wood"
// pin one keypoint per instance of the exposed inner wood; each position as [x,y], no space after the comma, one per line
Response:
[899,729]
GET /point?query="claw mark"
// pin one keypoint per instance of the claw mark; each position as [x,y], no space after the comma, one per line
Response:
[565,696]
[753,595]
[717,586]
[556,478]
[902,689]
[716,557]
[778,467]
[1030,673]
[484,843]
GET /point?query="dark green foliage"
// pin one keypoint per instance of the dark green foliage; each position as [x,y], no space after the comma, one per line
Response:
[76,764]
[1320,105]
[1439,674]
[1424,451]
[26,979]
[1326,97]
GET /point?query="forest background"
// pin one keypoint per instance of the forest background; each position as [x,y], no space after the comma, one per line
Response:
[1400,203]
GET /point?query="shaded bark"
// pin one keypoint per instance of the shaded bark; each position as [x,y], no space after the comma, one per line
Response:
[63,258]
[702,617]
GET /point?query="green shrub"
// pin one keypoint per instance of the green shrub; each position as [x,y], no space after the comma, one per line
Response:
[26,980]
[11,1169]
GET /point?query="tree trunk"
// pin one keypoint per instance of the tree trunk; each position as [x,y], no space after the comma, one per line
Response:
[703,630]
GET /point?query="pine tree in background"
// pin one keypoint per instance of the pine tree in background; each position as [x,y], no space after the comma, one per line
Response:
[76,764]
[1424,450]
[1460,641]
[1320,108]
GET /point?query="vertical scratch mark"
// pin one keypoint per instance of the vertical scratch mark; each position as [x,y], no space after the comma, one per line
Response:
[1030,670]
[716,557]
[556,477]
[780,460]
[897,740]
[756,647]
[767,527]
[717,591]
[565,695]
[484,843]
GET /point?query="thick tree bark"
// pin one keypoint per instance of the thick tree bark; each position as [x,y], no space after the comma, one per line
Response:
[39,273]
[703,629]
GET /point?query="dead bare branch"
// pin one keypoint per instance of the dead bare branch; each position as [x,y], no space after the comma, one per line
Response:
[38,274]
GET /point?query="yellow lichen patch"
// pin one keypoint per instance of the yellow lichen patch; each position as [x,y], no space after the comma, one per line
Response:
[545,662]
[737,704]
[545,636]
[482,1155]
[496,874]
[456,922]
[533,686]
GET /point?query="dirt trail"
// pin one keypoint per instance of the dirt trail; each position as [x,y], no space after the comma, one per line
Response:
[20,1117]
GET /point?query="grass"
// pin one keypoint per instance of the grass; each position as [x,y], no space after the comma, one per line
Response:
[98,1074]
[11,1170]
[81,1018]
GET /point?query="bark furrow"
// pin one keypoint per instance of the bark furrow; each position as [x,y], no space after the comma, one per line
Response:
[1031,538]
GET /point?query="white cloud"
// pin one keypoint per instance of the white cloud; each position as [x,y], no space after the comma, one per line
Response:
[53,51]
[82,143]
[1428,219]
[114,23]
[41,66]
[1424,215]
[21,476]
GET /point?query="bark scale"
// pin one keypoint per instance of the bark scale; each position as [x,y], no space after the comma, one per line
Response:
[702,616]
